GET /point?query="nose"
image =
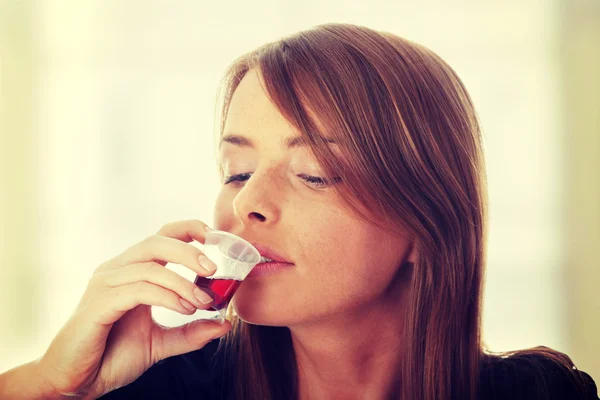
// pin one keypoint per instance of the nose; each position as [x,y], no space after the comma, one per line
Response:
[258,201]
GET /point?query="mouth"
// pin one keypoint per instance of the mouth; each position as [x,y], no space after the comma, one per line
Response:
[269,255]
[270,262]
[268,268]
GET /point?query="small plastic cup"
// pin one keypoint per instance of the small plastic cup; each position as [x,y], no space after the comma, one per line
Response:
[235,258]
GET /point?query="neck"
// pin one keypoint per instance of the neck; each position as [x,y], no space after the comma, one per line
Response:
[351,356]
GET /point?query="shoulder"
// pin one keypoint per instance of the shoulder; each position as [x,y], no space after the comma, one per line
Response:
[538,373]
[193,375]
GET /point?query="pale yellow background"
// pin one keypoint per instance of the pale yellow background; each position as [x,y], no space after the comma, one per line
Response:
[106,124]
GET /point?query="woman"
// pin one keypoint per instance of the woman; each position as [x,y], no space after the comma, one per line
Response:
[355,157]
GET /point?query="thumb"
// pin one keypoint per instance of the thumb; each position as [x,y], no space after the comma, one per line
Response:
[189,337]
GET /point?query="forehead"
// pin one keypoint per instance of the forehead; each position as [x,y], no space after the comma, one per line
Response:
[252,114]
[254,122]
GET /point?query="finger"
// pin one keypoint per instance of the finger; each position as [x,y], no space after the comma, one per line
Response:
[188,337]
[121,299]
[185,230]
[162,250]
[157,274]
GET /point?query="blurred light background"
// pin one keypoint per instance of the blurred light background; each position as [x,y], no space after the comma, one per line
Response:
[106,120]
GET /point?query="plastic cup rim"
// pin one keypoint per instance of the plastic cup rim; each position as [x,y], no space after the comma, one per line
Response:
[235,237]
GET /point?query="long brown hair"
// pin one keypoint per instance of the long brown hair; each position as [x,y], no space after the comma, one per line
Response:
[413,163]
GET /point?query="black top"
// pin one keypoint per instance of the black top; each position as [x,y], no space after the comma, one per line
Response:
[198,375]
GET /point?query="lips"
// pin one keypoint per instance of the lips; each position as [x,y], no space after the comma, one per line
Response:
[272,254]
[280,261]
[268,268]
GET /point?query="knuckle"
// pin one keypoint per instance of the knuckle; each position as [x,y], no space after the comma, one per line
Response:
[177,282]
[147,248]
[171,298]
[196,224]
[140,286]
[167,227]
[96,280]
[106,265]
[136,289]
[152,267]
[98,283]
[150,240]
[98,270]
[189,225]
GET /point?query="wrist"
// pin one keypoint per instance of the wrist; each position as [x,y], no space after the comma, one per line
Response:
[27,382]
[44,386]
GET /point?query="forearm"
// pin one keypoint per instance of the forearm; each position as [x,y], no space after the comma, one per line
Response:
[26,383]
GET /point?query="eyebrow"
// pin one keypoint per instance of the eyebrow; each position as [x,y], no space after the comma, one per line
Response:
[290,142]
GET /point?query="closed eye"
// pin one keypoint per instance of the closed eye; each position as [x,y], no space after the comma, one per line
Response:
[314,181]
[237,178]
[318,181]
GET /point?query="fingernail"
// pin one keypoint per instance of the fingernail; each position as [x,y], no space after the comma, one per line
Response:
[187,304]
[202,296]
[207,228]
[206,263]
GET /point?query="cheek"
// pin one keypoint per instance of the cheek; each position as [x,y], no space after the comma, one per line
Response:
[337,248]
[357,257]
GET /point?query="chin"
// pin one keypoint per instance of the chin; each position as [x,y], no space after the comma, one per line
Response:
[258,313]
[276,313]
[275,305]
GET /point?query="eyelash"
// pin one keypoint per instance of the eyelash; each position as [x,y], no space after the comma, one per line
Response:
[315,181]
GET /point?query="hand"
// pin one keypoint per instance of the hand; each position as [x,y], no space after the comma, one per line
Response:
[111,338]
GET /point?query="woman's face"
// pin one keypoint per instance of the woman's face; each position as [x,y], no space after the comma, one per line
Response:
[340,262]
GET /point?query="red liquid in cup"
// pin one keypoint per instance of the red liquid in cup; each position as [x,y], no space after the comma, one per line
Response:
[221,290]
